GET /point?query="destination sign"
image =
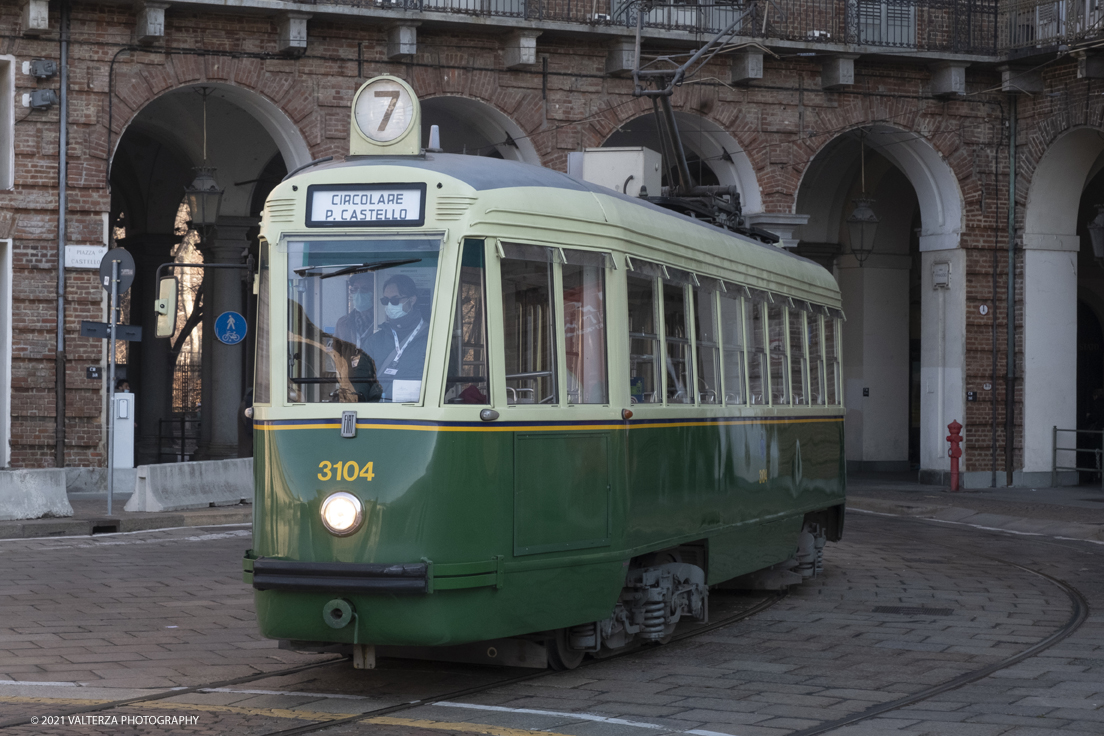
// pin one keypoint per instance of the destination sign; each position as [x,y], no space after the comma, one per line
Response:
[366,205]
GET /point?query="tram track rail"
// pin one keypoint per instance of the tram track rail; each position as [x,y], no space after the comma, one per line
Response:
[1078,615]
[474,690]
[386,710]
[174,692]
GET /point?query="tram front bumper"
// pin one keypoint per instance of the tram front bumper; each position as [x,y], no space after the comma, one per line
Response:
[339,577]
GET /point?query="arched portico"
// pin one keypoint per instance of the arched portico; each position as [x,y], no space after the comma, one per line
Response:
[1057,270]
[472,126]
[250,143]
[904,339]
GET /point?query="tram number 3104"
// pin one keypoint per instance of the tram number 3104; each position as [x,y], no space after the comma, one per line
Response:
[348,470]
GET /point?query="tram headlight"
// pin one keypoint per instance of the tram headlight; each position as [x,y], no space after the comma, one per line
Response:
[342,513]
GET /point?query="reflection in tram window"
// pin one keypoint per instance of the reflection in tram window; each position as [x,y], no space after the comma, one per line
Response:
[757,352]
[831,359]
[709,352]
[643,337]
[358,319]
[584,306]
[467,381]
[776,336]
[816,360]
[798,359]
[528,325]
[677,343]
[732,335]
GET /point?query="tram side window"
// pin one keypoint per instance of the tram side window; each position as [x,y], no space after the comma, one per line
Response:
[529,325]
[643,338]
[678,361]
[709,351]
[732,336]
[757,353]
[816,360]
[584,304]
[776,336]
[262,385]
[799,362]
[467,381]
[831,359]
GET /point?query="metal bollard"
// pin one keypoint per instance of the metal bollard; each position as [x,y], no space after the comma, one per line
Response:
[955,452]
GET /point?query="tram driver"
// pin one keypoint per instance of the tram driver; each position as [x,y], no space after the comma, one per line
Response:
[357,326]
[399,346]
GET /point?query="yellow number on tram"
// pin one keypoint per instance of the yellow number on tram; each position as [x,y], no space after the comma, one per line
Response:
[348,471]
[763,476]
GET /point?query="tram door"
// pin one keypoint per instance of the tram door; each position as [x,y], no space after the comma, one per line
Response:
[554,351]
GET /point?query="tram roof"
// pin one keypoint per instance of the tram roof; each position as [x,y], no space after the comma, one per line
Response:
[483,173]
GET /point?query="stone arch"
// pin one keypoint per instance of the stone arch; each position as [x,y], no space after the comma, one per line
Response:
[911,183]
[287,136]
[1053,281]
[703,139]
[1050,216]
[940,198]
[476,126]
[251,142]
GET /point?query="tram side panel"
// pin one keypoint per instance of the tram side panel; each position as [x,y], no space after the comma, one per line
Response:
[743,485]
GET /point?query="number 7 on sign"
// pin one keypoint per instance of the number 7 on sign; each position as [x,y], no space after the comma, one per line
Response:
[390,108]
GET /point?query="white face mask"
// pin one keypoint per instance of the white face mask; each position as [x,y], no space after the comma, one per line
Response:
[395,311]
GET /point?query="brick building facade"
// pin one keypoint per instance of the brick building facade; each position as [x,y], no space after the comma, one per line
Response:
[916,100]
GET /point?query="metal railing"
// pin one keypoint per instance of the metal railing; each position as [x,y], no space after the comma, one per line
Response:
[1096,452]
[955,26]
[175,444]
[1024,24]
[187,387]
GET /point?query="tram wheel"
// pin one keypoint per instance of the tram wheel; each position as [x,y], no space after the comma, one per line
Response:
[560,655]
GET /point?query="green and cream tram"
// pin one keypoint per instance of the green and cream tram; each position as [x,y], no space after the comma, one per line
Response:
[495,401]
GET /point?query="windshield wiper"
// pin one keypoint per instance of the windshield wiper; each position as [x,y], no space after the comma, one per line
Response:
[347,268]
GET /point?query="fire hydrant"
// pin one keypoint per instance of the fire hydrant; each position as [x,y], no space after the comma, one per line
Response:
[955,452]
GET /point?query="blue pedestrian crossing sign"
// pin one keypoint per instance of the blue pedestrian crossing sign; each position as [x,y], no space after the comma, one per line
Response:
[230,328]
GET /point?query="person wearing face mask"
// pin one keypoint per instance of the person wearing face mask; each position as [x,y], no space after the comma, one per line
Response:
[399,347]
[351,336]
[358,325]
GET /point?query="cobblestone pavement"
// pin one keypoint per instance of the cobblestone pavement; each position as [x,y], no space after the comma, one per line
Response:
[904,604]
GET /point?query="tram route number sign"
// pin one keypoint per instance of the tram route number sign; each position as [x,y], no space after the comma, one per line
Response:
[366,205]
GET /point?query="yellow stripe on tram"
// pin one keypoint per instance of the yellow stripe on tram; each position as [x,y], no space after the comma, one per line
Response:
[640,424]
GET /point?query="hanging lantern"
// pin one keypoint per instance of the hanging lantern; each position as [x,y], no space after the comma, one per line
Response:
[1096,233]
[862,226]
[204,198]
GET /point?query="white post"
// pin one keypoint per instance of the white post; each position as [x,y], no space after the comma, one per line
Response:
[111,386]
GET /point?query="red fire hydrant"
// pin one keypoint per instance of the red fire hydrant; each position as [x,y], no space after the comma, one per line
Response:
[955,452]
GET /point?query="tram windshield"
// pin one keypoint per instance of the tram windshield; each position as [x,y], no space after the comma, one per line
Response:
[358,319]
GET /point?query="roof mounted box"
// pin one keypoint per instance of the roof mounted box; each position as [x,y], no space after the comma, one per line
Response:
[624,170]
